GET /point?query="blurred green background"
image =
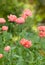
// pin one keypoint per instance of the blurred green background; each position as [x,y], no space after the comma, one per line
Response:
[16,6]
[17,31]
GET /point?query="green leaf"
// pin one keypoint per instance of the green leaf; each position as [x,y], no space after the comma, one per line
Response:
[7,36]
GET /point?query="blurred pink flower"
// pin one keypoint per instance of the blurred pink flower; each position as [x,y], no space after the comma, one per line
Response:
[41,31]
[27,12]
[2,20]
[22,41]
[1,56]
[7,48]
[20,20]
[41,28]
[42,34]
[4,28]
[26,43]
[12,18]
[24,16]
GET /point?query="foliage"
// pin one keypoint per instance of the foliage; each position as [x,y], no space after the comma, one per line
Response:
[18,54]
[16,6]
[10,6]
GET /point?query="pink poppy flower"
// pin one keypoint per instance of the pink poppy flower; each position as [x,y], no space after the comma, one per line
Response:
[20,20]
[7,48]
[24,16]
[27,12]
[41,28]
[2,20]
[12,18]
[41,31]
[41,34]
[26,43]
[1,56]
[4,28]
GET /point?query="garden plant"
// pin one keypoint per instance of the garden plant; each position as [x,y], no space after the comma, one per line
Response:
[22,41]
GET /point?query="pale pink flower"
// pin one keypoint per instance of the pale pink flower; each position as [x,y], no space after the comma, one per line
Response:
[12,18]
[4,28]
[41,31]
[41,28]
[27,12]
[7,48]
[24,16]
[42,34]
[20,20]
[1,56]
[26,43]
[22,41]
[2,20]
